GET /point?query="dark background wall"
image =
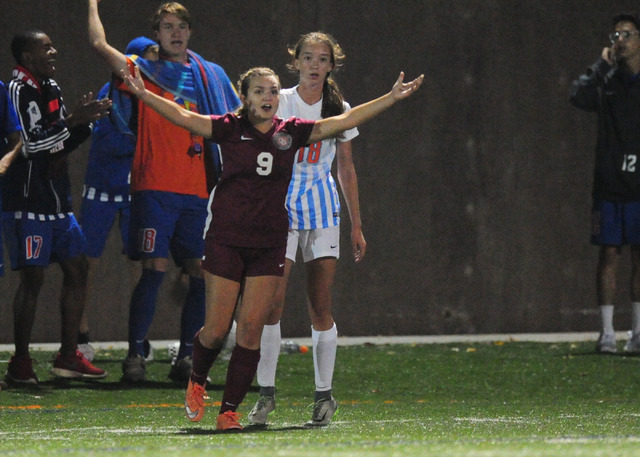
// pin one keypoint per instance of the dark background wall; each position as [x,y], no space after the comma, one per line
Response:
[475,193]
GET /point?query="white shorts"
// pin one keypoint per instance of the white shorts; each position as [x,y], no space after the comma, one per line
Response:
[314,244]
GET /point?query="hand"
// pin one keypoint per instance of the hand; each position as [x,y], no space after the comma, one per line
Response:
[403,90]
[358,245]
[134,82]
[609,55]
[89,110]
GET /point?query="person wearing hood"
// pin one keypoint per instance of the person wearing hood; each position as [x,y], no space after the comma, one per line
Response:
[105,196]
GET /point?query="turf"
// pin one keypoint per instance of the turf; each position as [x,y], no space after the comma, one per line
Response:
[486,399]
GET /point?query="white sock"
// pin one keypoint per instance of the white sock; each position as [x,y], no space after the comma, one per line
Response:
[606,314]
[230,340]
[635,317]
[325,344]
[269,352]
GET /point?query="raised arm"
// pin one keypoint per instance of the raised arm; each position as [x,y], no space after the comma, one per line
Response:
[332,126]
[585,91]
[193,122]
[98,39]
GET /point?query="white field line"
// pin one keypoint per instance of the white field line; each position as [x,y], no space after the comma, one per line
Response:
[505,420]
[59,434]
[593,439]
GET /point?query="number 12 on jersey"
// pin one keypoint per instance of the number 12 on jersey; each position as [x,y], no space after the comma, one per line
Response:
[629,163]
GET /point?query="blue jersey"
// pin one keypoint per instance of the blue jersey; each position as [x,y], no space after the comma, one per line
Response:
[9,122]
[312,200]
[110,157]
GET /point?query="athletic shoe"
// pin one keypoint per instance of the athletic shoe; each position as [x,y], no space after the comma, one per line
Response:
[259,413]
[76,366]
[606,343]
[3,385]
[323,411]
[228,421]
[173,349]
[194,401]
[20,371]
[181,369]
[633,345]
[148,350]
[87,351]
[134,369]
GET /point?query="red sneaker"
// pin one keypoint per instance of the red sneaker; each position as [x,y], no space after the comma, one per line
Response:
[194,401]
[20,371]
[76,366]
[228,421]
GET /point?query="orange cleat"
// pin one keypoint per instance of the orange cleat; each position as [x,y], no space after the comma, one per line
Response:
[228,421]
[194,401]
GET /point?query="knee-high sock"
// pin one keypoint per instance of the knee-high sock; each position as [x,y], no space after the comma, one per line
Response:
[142,308]
[325,344]
[203,359]
[606,316]
[240,373]
[192,318]
[635,317]
[269,352]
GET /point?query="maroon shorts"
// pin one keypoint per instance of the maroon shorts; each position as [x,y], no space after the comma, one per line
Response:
[235,263]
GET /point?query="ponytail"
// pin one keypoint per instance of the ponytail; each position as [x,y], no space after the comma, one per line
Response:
[332,99]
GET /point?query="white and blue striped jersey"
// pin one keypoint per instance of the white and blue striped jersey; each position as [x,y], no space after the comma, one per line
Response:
[312,200]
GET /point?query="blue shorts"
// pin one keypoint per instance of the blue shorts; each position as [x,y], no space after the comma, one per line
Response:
[10,240]
[1,256]
[42,240]
[97,218]
[163,222]
[615,224]
[3,216]
[235,263]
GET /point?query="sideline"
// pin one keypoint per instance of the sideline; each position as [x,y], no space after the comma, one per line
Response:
[377,340]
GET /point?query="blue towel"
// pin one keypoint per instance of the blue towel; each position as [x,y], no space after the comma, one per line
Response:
[201,82]
[121,109]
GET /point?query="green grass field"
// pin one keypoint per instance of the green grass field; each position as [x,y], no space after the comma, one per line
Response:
[485,399]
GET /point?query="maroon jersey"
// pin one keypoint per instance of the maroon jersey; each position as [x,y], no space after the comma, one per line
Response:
[248,203]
